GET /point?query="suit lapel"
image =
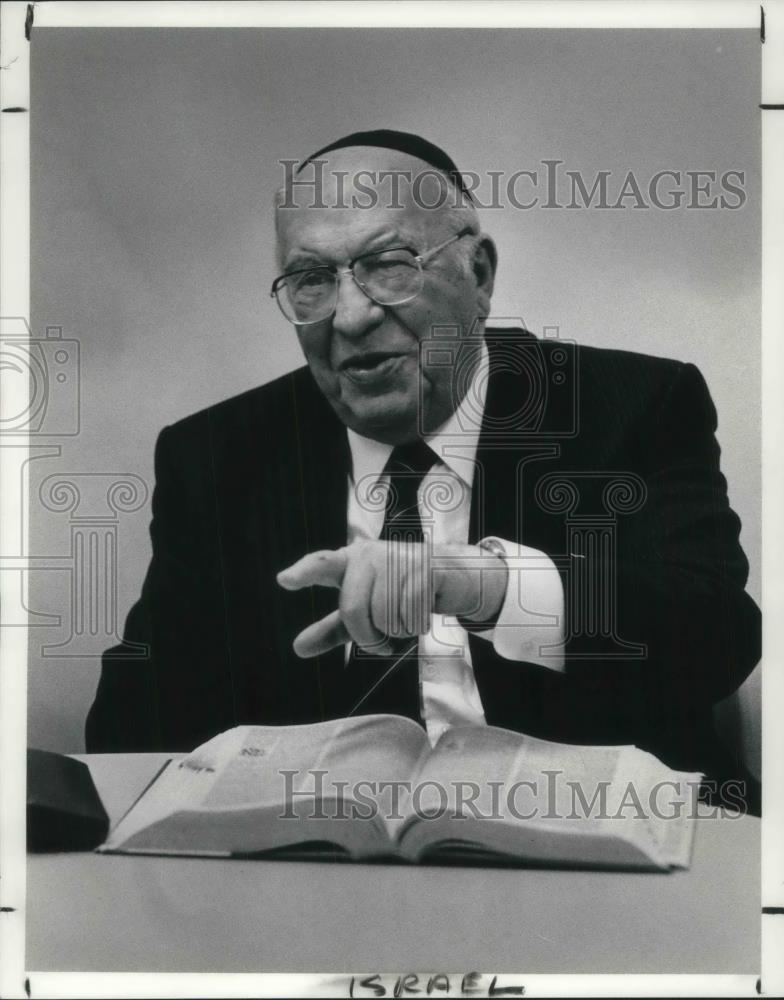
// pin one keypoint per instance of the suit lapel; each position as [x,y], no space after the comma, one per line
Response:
[323,463]
[494,510]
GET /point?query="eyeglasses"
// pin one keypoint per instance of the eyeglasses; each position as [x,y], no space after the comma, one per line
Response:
[389,277]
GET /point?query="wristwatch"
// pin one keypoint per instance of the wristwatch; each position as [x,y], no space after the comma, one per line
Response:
[494,547]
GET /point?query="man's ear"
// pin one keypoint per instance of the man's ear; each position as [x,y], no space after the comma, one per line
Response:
[484,266]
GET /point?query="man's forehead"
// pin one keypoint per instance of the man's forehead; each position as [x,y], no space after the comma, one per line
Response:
[356,195]
[369,177]
[345,233]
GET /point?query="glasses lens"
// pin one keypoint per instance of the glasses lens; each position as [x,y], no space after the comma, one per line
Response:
[309,296]
[389,277]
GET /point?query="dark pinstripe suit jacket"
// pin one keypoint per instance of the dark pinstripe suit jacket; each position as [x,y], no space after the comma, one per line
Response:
[606,460]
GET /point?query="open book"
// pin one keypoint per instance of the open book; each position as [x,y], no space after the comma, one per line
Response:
[372,787]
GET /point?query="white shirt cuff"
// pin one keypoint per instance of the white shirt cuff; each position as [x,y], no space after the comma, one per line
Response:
[530,626]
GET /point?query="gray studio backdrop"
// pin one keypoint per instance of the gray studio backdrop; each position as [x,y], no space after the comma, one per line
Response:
[154,160]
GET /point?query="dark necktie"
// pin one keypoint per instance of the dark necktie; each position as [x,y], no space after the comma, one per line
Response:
[382,686]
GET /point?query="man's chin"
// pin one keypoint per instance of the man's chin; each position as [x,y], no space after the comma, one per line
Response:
[388,419]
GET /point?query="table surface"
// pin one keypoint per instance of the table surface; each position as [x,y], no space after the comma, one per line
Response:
[93,912]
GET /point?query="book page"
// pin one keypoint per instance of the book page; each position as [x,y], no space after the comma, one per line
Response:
[497,773]
[606,805]
[366,770]
[666,799]
[262,766]
[274,759]
[182,785]
[173,789]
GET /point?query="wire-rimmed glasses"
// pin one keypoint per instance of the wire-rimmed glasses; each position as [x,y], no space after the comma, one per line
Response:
[389,277]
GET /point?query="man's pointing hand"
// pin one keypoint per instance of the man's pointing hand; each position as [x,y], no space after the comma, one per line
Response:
[388,590]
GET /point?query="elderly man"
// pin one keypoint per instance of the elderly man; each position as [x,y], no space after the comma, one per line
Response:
[463,525]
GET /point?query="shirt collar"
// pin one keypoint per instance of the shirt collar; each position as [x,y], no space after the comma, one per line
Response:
[455,441]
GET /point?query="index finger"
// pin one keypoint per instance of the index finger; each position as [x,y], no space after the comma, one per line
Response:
[325,568]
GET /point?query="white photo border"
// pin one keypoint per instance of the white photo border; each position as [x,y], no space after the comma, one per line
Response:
[15,296]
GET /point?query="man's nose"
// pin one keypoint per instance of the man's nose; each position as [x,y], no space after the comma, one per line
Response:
[355,312]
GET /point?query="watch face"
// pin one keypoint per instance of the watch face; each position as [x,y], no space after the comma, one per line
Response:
[494,546]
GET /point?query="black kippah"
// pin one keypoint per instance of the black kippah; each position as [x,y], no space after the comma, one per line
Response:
[403,142]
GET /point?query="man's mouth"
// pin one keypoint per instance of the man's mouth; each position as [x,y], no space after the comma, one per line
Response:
[371,366]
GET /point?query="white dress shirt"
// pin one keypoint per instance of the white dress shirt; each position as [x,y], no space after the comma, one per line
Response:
[530,624]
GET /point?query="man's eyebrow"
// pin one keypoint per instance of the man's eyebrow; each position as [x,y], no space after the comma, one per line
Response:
[389,238]
[302,259]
